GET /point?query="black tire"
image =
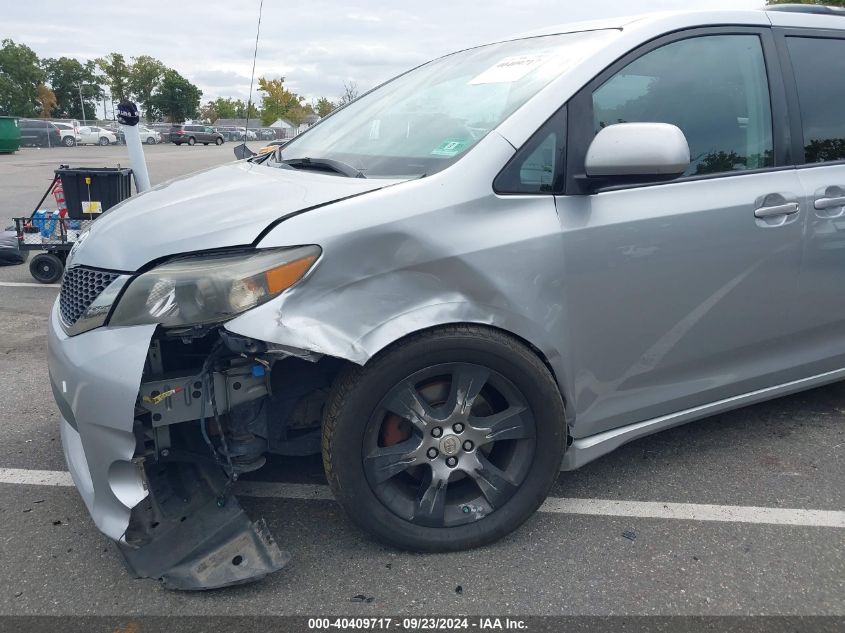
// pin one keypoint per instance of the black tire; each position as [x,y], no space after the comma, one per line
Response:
[218,141]
[151,140]
[104,141]
[46,268]
[192,140]
[68,141]
[358,399]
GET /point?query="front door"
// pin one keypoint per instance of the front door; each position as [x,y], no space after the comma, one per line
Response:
[678,294]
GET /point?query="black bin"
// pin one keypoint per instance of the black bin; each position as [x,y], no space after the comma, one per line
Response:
[91,185]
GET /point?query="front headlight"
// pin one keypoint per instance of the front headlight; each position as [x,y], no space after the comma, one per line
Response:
[203,289]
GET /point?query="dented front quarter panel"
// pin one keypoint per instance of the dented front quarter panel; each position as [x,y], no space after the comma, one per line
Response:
[437,250]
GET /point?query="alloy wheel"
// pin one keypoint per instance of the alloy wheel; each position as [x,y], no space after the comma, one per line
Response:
[449,445]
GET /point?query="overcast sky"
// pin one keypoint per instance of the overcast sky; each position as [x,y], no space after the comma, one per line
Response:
[316,45]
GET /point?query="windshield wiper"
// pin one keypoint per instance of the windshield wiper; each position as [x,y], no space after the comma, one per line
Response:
[322,164]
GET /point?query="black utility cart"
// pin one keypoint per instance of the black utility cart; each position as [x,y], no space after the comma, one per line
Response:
[82,195]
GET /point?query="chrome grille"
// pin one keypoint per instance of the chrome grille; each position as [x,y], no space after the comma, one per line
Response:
[80,287]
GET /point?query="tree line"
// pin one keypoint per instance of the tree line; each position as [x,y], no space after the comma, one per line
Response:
[66,88]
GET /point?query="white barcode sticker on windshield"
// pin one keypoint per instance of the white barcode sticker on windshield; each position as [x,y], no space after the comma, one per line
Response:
[509,69]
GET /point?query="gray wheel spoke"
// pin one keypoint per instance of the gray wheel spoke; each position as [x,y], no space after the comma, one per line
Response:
[467,383]
[509,424]
[407,403]
[493,482]
[389,461]
[431,502]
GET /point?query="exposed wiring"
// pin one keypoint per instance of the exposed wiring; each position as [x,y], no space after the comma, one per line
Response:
[232,474]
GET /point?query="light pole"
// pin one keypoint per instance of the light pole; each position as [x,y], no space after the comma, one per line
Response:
[81,102]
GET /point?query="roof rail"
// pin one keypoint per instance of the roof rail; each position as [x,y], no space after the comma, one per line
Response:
[818,9]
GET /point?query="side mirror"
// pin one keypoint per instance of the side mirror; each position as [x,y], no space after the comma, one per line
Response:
[647,151]
[242,151]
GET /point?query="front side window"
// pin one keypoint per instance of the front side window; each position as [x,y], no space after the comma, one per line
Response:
[819,66]
[426,119]
[714,88]
[538,166]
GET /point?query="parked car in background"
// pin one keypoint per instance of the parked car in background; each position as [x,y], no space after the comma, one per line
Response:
[39,133]
[149,136]
[163,130]
[228,132]
[193,134]
[233,133]
[118,133]
[266,134]
[70,134]
[94,135]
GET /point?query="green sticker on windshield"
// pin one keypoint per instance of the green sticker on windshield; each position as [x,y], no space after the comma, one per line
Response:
[450,147]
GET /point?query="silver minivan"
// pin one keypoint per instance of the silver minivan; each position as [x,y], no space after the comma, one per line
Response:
[503,263]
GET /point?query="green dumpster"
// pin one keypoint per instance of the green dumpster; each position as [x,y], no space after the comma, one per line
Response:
[10,135]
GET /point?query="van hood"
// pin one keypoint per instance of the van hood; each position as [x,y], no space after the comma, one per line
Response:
[221,207]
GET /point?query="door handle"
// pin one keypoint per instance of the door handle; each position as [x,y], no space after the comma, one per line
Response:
[788,208]
[829,203]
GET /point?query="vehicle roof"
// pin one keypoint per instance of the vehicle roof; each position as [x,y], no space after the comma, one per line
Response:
[624,34]
[681,19]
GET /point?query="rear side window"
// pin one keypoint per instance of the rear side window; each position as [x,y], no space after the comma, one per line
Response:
[714,88]
[819,66]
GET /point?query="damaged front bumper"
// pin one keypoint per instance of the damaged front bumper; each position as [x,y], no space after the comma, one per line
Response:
[173,517]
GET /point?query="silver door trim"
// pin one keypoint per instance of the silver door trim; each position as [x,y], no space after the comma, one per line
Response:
[586,449]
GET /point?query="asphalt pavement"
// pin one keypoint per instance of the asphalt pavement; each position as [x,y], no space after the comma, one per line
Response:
[713,518]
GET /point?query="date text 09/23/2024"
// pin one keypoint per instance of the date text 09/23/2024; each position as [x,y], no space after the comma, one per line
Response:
[419,623]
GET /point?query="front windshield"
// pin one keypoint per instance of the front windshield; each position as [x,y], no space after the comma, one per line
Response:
[426,119]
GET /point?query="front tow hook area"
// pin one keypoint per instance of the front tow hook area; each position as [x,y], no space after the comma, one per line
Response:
[192,534]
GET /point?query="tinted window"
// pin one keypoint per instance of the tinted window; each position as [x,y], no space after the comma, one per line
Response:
[714,88]
[819,66]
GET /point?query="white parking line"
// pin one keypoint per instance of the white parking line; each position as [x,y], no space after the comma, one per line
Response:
[35,477]
[23,284]
[696,512]
[553,505]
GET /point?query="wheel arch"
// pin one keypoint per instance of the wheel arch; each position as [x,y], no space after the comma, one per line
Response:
[544,356]
[321,338]
[402,328]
